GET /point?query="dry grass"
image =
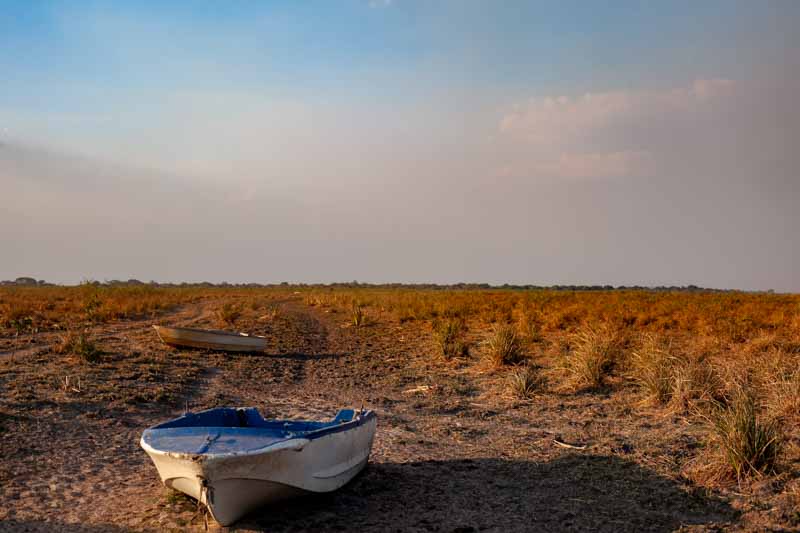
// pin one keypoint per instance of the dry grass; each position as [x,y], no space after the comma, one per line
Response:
[689,354]
[696,385]
[229,313]
[449,337]
[272,312]
[595,351]
[750,443]
[653,368]
[530,324]
[81,345]
[504,346]
[693,350]
[729,316]
[358,317]
[783,393]
[54,308]
[526,382]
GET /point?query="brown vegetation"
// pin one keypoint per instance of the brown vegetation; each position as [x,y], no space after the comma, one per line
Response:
[504,346]
[526,382]
[705,383]
[449,335]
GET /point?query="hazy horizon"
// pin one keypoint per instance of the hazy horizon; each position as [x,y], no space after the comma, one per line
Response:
[402,141]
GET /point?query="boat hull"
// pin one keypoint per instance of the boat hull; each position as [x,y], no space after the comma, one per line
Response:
[232,485]
[210,340]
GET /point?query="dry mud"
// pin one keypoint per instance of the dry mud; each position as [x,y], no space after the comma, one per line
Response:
[453,452]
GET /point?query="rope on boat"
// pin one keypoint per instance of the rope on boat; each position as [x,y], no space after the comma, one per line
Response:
[202,506]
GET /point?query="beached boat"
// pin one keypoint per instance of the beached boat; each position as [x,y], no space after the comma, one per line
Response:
[211,339]
[234,461]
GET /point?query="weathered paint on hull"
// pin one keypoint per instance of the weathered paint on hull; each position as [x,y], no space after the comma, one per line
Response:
[233,485]
[210,340]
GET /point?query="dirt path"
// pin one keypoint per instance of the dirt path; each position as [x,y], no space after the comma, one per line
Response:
[451,454]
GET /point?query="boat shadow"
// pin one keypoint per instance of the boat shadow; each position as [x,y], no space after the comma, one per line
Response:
[575,492]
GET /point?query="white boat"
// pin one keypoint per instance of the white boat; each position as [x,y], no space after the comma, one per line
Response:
[211,339]
[235,461]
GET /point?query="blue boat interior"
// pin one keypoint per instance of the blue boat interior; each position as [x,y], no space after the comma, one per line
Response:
[228,430]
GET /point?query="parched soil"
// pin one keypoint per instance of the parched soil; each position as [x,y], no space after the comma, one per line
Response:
[453,451]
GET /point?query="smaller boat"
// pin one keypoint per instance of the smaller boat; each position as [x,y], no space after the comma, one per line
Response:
[234,461]
[211,339]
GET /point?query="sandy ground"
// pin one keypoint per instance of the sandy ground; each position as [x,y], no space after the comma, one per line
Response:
[453,452]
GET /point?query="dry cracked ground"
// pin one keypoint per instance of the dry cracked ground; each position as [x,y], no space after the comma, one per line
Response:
[453,451]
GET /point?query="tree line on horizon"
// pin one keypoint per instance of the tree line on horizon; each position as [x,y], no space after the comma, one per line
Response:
[25,281]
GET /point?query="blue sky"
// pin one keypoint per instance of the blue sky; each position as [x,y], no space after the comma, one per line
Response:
[455,111]
[344,46]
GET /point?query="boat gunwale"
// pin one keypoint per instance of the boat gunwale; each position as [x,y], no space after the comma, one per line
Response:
[359,419]
[219,332]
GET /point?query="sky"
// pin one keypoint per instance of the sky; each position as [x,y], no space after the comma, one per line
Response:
[637,143]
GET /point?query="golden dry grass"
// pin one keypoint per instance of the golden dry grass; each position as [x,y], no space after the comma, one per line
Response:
[504,345]
[524,383]
[31,309]
[687,352]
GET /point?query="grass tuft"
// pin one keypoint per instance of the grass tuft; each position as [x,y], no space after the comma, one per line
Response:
[525,382]
[81,345]
[358,315]
[449,336]
[504,346]
[229,313]
[653,369]
[696,384]
[272,312]
[750,444]
[595,351]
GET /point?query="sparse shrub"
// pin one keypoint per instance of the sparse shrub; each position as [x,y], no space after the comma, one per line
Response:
[525,382]
[595,351]
[653,369]
[229,313]
[504,346]
[750,443]
[81,345]
[449,336]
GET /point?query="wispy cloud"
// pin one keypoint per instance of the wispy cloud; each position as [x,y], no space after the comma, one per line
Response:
[598,134]
[555,119]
